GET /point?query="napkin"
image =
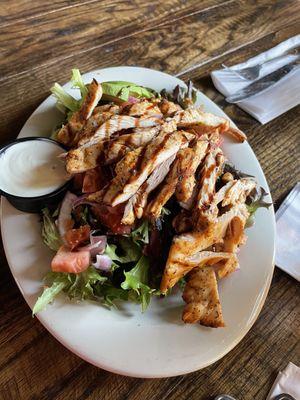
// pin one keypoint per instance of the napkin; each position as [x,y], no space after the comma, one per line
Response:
[288,234]
[277,99]
[287,381]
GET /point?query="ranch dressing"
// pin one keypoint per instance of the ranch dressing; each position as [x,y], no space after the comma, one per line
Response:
[32,168]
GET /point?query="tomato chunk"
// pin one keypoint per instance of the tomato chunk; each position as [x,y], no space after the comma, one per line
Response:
[70,261]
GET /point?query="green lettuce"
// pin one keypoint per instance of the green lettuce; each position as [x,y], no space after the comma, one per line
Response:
[76,286]
[50,234]
[77,82]
[136,280]
[109,294]
[140,235]
[185,97]
[255,200]
[64,101]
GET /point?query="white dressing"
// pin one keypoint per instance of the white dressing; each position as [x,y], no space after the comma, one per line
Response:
[32,168]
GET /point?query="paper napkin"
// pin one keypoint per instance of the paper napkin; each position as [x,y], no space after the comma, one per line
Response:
[288,234]
[277,99]
[287,381]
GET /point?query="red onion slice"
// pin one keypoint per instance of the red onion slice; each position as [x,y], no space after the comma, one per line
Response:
[103,262]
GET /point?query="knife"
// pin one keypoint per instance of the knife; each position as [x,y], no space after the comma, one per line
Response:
[262,84]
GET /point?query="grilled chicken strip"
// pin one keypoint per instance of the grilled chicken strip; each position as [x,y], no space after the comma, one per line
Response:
[81,160]
[206,210]
[179,267]
[99,116]
[168,108]
[136,204]
[85,158]
[190,162]
[145,108]
[69,133]
[186,245]
[168,189]
[115,124]
[164,146]
[202,298]
[233,238]
[205,123]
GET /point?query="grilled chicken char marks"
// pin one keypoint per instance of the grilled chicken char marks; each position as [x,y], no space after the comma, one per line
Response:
[108,151]
[186,245]
[161,148]
[117,123]
[70,132]
[190,162]
[145,108]
[204,122]
[136,204]
[205,210]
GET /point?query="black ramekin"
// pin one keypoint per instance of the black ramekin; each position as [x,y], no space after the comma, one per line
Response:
[37,203]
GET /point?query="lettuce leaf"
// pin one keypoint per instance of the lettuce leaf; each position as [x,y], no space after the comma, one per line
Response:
[136,280]
[77,82]
[109,294]
[64,101]
[122,90]
[50,234]
[254,201]
[185,97]
[76,286]
[140,235]
[48,296]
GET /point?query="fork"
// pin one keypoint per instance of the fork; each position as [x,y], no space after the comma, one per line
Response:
[252,73]
[282,396]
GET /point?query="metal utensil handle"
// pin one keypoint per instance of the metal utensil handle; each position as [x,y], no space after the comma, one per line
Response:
[284,396]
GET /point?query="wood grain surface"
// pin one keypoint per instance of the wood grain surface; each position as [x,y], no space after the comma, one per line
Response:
[40,41]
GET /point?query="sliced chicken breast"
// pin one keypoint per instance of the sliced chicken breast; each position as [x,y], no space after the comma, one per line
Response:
[117,123]
[202,298]
[164,146]
[136,204]
[205,122]
[70,132]
[190,162]
[205,209]
[188,244]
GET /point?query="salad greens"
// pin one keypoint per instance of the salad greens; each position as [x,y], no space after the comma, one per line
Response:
[183,96]
[136,279]
[50,233]
[76,286]
[112,91]
[126,253]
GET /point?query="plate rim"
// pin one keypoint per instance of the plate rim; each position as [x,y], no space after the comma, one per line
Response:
[125,372]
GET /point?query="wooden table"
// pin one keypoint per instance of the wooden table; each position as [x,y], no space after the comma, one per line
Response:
[40,42]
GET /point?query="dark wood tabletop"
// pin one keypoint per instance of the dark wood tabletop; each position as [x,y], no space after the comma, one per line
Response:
[40,41]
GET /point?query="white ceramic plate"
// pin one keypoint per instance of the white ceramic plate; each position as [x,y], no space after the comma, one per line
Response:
[157,343]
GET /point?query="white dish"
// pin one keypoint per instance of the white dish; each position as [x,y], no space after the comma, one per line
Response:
[157,343]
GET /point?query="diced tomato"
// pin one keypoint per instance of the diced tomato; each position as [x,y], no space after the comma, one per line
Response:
[93,180]
[70,261]
[74,237]
[111,217]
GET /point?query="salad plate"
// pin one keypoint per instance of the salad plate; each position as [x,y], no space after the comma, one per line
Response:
[155,343]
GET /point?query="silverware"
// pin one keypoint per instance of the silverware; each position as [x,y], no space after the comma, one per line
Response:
[262,84]
[284,396]
[252,73]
